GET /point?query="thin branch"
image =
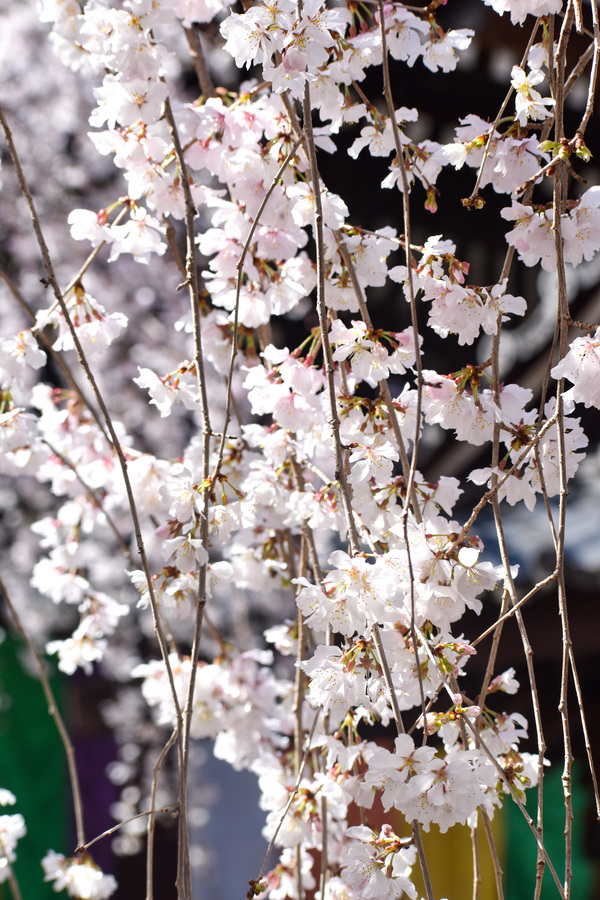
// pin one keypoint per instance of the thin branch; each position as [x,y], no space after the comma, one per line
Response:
[589,106]
[56,356]
[511,612]
[488,145]
[476,863]
[56,716]
[184,884]
[487,827]
[150,829]
[240,274]
[14,884]
[482,745]
[94,497]
[334,420]
[51,279]
[383,385]
[202,72]
[291,797]
[148,812]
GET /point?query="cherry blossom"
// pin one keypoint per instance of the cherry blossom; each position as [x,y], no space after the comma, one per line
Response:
[529,103]
[519,9]
[581,366]
[12,828]
[80,877]
[294,486]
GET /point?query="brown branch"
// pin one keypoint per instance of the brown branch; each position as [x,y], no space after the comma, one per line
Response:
[56,716]
[202,72]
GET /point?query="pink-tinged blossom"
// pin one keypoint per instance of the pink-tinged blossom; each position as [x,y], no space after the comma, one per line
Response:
[352,597]
[581,366]
[585,216]
[505,682]
[186,552]
[369,359]
[379,137]
[231,698]
[515,488]
[87,225]
[19,439]
[96,329]
[444,403]
[549,450]
[182,495]
[55,10]
[389,772]
[256,34]
[510,160]
[532,236]
[128,102]
[282,880]
[140,236]
[428,788]
[341,679]
[378,866]
[540,470]
[464,311]
[190,11]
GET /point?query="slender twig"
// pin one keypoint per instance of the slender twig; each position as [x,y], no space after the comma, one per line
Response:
[148,812]
[334,419]
[238,289]
[383,385]
[14,884]
[202,71]
[56,356]
[488,144]
[52,280]
[387,91]
[541,584]
[151,820]
[387,677]
[292,795]
[184,884]
[589,106]
[476,864]
[487,827]
[94,497]
[558,208]
[511,592]
[56,716]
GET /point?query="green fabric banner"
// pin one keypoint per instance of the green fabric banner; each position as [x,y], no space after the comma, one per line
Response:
[32,766]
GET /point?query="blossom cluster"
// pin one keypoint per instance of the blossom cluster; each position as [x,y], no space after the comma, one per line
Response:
[289,471]
[12,828]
